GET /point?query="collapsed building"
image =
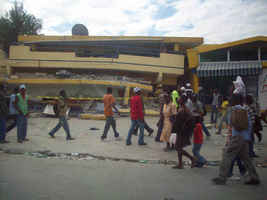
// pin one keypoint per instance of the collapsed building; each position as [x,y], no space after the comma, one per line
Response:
[86,65]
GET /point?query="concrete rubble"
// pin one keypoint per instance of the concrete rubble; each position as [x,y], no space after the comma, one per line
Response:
[63,74]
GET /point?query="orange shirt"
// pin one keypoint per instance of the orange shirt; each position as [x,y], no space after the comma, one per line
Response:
[108,101]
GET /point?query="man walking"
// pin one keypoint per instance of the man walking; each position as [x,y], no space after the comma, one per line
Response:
[109,103]
[21,105]
[12,110]
[215,106]
[238,144]
[62,108]
[137,117]
[3,115]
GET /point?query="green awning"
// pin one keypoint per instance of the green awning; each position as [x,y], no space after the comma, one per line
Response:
[215,69]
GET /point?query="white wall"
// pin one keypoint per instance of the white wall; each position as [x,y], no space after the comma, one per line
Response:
[263,89]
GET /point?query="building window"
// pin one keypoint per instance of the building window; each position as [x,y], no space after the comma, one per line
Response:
[243,54]
[264,53]
[214,56]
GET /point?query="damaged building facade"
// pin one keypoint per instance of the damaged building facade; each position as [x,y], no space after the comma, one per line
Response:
[216,66]
[86,65]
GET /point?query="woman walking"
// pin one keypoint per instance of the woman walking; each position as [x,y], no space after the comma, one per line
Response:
[169,112]
[183,127]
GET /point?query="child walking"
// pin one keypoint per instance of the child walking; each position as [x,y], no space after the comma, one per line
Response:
[198,141]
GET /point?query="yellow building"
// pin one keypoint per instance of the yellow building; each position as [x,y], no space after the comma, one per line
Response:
[216,66]
[122,61]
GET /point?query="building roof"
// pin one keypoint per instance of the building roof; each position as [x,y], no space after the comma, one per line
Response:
[187,42]
[206,48]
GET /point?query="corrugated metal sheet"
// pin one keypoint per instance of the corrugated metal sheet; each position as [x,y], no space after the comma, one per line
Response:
[215,69]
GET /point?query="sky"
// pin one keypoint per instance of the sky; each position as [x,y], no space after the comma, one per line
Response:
[217,21]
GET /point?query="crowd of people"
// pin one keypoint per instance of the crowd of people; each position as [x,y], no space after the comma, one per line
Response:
[181,122]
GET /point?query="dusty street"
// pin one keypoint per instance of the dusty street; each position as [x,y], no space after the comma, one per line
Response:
[111,169]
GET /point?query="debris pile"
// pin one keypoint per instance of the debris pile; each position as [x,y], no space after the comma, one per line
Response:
[65,74]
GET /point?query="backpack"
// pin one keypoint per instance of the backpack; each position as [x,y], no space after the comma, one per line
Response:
[239,119]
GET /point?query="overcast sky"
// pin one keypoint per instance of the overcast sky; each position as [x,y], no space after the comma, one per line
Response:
[218,21]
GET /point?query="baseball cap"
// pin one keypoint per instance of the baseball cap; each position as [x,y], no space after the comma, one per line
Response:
[22,86]
[182,88]
[137,89]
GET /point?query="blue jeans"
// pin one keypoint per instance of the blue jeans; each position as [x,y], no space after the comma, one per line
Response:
[62,122]
[110,121]
[141,125]
[224,119]
[2,129]
[204,128]
[214,114]
[22,123]
[196,151]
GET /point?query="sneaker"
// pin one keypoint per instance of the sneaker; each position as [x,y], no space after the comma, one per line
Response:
[26,140]
[143,143]
[20,141]
[128,143]
[52,136]
[151,131]
[103,137]
[4,141]
[70,138]
[252,182]
[219,181]
[117,135]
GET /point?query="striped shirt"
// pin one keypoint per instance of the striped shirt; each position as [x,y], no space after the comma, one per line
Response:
[251,113]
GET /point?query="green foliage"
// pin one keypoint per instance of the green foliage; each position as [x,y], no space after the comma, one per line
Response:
[17,22]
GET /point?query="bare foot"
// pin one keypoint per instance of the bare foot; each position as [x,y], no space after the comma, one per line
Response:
[193,163]
[178,167]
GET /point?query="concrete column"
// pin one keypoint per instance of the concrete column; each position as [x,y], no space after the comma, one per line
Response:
[126,96]
[195,82]
[228,55]
[259,53]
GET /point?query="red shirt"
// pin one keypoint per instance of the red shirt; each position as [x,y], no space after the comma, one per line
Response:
[136,108]
[198,135]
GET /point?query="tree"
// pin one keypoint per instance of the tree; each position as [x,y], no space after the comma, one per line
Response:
[16,22]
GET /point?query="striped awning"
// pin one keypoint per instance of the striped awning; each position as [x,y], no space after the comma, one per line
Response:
[215,69]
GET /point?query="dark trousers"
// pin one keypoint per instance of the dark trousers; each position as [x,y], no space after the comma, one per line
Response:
[240,165]
[2,129]
[160,127]
[214,114]
[110,121]
[22,123]
[14,123]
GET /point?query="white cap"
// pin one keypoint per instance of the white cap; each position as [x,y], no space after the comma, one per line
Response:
[182,88]
[188,85]
[22,87]
[137,89]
